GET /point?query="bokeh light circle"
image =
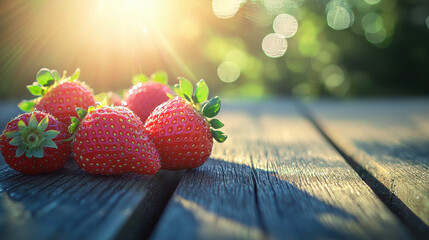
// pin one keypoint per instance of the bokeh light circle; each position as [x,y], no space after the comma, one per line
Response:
[286,25]
[372,22]
[339,18]
[377,37]
[332,76]
[228,72]
[274,45]
[274,6]
[347,4]
[226,8]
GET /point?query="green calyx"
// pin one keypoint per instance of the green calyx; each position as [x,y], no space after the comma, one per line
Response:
[45,79]
[198,99]
[31,139]
[81,113]
[160,77]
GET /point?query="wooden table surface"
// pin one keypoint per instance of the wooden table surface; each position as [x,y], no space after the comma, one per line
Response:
[327,169]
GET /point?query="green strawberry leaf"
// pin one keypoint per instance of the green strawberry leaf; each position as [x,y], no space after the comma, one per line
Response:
[15,141]
[50,134]
[160,77]
[186,88]
[201,92]
[38,152]
[212,107]
[21,125]
[11,134]
[75,123]
[35,89]
[49,143]
[75,75]
[91,108]
[81,112]
[33,122]
[26,105]
[139,78]
[20,151]
[56,74]
[43,124]
[45,78]
[219,136]
[216,124]
[187,98]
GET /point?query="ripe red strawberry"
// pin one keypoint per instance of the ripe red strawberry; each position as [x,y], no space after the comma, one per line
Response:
[180,129]
[144,97]
[112,140]
[59,97]
[33,143]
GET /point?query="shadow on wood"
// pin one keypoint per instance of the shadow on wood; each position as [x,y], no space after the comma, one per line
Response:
[308,214]
[70,204]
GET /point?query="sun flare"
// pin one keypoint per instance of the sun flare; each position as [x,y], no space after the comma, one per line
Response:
[111,39]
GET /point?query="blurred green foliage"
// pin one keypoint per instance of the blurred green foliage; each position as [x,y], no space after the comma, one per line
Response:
[381,47]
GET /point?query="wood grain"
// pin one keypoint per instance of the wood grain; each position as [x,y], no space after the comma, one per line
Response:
[275,177]
[390,140]
[70,204]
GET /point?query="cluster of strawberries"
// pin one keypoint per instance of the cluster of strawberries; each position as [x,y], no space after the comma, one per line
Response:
[149,130]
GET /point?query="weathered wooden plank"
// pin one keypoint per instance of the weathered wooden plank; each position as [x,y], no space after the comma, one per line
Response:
[390,140]
[70,204]
[275,177]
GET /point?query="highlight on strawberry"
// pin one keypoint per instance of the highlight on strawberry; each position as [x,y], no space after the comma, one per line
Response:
[147,93]
[59,96]
[112,140]
[34,143]
[183,128]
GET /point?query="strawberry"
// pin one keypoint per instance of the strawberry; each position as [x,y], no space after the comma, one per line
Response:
[145,95]
[181,130]
[59,97]
[112,140]
[34,143]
